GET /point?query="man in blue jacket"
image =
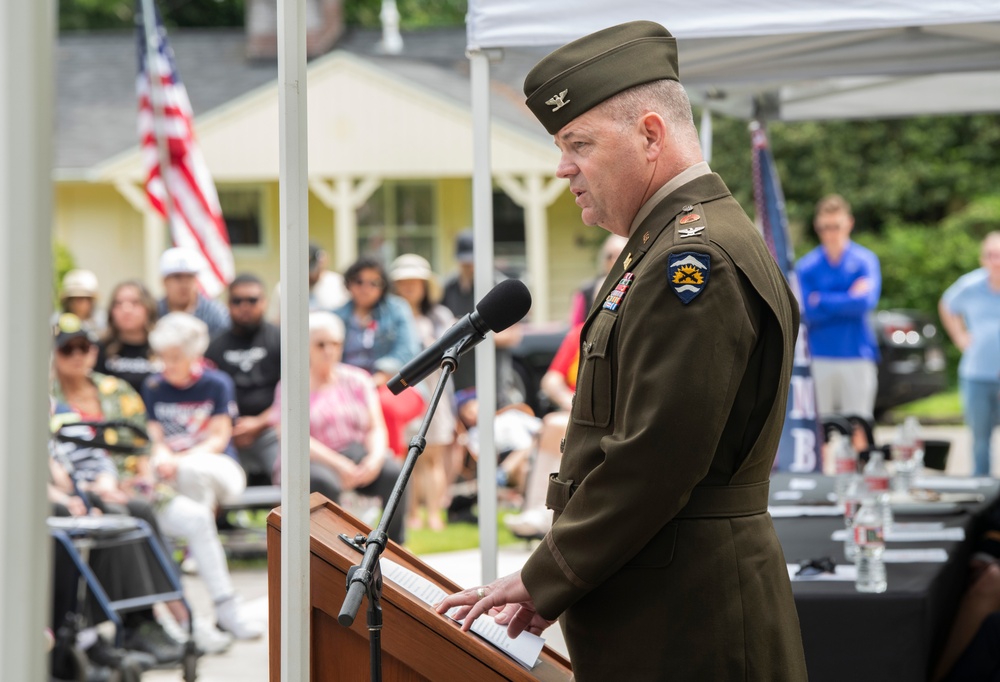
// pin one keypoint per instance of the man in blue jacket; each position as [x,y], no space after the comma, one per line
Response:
[841,282]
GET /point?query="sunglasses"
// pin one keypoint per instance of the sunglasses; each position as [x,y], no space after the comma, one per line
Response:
[71,348]
[240,300]
[816,567]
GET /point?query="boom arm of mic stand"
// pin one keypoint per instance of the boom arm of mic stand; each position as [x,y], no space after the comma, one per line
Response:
[359,580]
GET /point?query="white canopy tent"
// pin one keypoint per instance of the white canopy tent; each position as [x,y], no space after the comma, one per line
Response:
[812,59]
[809,59]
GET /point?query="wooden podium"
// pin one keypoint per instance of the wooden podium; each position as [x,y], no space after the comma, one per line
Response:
[418,644]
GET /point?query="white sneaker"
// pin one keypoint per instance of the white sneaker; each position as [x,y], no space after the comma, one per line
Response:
[531,522]
[230,619]
[209,639]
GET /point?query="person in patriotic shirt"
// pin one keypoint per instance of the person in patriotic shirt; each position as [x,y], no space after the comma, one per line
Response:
[190,410]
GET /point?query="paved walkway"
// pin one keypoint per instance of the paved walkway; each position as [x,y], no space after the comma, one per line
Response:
[247,661]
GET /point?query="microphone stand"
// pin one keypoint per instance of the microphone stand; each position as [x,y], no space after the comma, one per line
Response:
[365,579]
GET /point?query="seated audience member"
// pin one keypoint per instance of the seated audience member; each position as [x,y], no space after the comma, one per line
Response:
[559,385]
[190,410]
[348,446]
[380,338]
[179,268]
[124,350]
[413,280]
[250,353]
[78,294]
[79,393]
[514,432]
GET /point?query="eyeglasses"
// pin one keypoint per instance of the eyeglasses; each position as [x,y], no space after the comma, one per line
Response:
[240,300]
[71,348]
[374,283]
[323,344]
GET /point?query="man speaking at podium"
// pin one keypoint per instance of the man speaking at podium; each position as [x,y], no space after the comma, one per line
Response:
[662,561]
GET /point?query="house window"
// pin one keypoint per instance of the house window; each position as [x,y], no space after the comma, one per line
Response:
[241,209]
[400,217]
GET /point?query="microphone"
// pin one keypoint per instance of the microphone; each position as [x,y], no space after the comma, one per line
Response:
[505,304]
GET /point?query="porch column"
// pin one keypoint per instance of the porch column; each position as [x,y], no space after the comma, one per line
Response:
[535,195]
[345,197]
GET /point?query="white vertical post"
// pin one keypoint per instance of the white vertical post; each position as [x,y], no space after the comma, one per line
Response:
[27,31]
[482,224]
[294,227]
[706,134]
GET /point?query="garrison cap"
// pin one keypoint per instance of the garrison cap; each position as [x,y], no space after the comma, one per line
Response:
[582,74]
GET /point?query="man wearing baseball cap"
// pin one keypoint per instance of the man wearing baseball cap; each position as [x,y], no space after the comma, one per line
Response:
[179,268]
[662,561]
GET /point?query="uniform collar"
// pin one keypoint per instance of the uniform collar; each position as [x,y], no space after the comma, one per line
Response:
[679,180]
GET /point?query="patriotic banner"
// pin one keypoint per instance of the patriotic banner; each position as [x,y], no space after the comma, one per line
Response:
[177,180]
[801,437]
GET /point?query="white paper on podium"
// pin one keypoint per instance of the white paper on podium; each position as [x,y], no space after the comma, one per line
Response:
[524,648]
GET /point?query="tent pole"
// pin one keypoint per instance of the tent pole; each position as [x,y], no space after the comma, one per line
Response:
[27,51]
[293,193]
[482,221]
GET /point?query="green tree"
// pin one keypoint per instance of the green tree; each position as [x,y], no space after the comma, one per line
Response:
[77,15]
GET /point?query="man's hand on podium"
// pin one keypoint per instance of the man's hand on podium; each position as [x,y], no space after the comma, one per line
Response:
[506,599]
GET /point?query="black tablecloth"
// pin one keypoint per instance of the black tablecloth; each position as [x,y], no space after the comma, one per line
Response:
[896,635]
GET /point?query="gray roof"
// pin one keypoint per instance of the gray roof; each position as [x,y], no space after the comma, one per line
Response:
[95,83]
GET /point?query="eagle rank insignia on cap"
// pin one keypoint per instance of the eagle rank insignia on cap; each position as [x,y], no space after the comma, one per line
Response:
[687,274]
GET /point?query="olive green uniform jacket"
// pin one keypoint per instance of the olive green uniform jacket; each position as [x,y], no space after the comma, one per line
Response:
[663,563]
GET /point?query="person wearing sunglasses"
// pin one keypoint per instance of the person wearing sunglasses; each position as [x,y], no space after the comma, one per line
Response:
[250,353]
[380,336]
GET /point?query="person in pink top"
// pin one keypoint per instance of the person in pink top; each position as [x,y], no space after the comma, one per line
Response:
[348,443]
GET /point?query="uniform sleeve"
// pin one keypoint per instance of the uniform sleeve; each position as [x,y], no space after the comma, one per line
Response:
[678,369]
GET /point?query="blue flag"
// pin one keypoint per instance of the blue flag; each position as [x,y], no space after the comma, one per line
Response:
[801,438]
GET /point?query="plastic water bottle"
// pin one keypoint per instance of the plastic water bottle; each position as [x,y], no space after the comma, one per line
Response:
[850,501]
[870,544]
[877,481]
[845,461]
[907,454]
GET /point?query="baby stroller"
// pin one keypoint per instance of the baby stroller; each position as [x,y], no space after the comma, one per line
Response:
[84,536]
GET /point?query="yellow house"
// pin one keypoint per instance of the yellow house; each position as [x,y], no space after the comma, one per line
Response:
[390,160]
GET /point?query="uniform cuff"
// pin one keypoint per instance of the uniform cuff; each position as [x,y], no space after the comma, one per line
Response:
[551,590]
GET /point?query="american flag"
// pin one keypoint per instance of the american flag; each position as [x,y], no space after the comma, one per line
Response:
[801,438]
[187,200]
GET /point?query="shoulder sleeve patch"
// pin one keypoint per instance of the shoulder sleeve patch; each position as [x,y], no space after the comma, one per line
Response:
[687,274]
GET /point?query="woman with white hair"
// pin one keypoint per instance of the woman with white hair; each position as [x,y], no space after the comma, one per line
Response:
[348,443]
[190,410]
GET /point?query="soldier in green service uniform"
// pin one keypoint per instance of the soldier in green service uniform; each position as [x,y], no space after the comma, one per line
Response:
[662,561]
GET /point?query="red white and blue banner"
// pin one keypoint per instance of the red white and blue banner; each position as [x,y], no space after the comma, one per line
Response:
[177,180]
[801,437]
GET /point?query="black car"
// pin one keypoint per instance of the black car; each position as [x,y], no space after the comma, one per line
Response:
[912,364]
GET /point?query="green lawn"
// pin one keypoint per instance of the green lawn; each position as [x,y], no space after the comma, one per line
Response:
[938,406]
[454,537]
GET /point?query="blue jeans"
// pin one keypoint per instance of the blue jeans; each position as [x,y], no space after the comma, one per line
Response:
[981,404]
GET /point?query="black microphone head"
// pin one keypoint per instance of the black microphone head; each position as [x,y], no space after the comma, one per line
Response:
[505,304]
